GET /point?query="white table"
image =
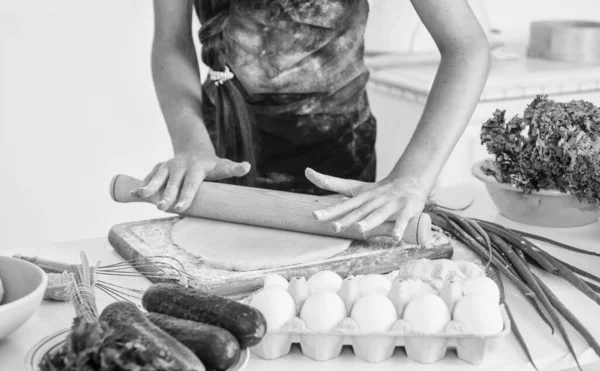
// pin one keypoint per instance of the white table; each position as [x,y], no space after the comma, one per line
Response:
[549,351]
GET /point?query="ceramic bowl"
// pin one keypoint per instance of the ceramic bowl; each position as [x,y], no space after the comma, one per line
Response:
[546,208]
[24,285]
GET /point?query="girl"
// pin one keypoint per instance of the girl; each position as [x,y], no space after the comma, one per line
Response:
[285,105]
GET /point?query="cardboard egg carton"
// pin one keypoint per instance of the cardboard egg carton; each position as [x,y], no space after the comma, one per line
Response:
[377,347]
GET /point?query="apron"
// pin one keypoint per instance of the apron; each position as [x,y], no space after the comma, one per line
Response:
[301,64]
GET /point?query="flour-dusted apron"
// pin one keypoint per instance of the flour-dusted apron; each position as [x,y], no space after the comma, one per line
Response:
[301,63]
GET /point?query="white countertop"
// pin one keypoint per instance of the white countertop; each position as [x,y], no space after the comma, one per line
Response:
[508,79]
[548,350]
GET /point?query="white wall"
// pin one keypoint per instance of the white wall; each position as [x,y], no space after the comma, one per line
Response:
[513,17]
[77,106]
[397,27]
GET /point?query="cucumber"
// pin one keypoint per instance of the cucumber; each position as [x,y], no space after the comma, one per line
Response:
[247,324]
[131,324]
[217,348]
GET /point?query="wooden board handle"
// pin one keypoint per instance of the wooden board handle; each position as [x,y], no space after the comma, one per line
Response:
[271,209]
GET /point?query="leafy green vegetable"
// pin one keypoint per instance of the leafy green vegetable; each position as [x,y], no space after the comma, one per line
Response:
[94,347]
[554,146]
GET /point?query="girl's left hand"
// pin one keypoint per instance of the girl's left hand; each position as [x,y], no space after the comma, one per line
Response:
[371,204]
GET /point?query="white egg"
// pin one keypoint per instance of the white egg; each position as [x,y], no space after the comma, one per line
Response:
[403,291]
[298,289]
[324,281]
[374,313]
[276,305]
[374,284]
[481,285]
[478,315]
[273,279]
[427,314]
[451,292]
[323,311]
[349,292]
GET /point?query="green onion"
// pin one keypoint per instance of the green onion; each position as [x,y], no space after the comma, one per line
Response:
[572,278]
[523,245]
[479,234]
[570,317]
[594,287]
[556,243]
[580,272]
[547,240]
[523,268]
[519,336]
[515,328]
[511,252]
[465,238]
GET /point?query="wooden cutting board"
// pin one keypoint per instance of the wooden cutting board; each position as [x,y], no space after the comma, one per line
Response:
[152,238]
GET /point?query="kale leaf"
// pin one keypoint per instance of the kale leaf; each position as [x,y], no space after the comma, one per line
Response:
[94,347]
[554,146]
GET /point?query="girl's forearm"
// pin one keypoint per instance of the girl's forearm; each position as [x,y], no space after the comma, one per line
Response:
[455,92]
[176,78]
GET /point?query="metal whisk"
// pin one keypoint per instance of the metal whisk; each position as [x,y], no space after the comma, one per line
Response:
[160,268]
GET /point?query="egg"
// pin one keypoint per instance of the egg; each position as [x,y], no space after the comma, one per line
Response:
[427,314]
[403,291]
[478,315]
[322,312]
[481,285]
[298,289]
[276,305]
[374,313]
[374,284]
[349,292]
[451,292]
[324,281]
[273,279]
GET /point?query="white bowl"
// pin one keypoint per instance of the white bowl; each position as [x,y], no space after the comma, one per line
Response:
[24,286]
[546,208]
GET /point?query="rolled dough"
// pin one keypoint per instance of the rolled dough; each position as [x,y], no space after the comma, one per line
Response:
[241,247]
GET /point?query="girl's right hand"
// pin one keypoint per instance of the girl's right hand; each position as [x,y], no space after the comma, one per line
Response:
[182,175]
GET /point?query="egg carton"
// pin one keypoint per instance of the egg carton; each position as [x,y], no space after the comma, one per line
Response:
[377,347]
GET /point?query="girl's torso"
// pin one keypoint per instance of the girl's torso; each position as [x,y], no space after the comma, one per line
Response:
[301,63]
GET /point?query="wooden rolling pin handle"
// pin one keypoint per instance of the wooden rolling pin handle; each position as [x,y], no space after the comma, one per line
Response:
[121,187]
[229,203]
[418,230]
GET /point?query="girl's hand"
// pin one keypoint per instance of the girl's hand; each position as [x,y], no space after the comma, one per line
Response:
[182,175]
[371,204]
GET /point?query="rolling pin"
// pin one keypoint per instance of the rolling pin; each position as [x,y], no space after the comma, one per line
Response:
[270,209]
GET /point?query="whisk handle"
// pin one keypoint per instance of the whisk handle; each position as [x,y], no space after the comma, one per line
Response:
[48,266]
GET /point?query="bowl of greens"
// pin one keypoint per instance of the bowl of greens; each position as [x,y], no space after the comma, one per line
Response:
[545,168]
